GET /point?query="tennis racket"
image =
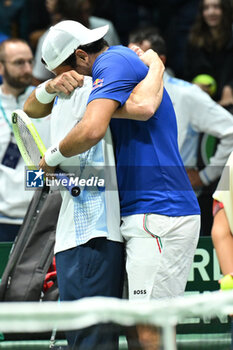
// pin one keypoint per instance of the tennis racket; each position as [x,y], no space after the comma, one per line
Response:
[32,148]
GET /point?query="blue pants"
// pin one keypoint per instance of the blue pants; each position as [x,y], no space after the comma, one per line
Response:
[92,269]
[8,232]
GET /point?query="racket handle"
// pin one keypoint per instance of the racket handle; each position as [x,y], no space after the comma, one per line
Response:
[74,190]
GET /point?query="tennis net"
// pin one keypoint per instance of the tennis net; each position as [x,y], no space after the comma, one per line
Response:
[166,314]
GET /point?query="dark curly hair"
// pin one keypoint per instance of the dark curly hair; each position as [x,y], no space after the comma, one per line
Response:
[94,47]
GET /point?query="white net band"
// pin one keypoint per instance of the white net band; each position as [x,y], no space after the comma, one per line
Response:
[45,316]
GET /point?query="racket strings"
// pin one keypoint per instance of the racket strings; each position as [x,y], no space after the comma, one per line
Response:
[29,143]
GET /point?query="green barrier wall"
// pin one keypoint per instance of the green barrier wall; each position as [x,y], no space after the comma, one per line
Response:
[203,278]
[5,248]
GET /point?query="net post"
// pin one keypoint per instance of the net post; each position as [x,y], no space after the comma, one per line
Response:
[169,337]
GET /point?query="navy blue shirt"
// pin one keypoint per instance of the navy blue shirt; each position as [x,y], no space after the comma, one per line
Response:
[150,172]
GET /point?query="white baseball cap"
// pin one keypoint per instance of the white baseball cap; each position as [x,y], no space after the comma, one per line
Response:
[64,38]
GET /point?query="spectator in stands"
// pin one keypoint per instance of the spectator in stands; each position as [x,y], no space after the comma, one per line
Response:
[196,113]
[14,18]
[210,47]
[126,14]
[2,38]
[83,14]
[39,19]
[78,10]
[222,229]
[16,61]
[175,20]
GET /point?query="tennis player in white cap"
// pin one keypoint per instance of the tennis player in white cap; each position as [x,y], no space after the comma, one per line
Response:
[88,242]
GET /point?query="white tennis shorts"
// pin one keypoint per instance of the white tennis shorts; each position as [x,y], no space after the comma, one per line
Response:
[159,253]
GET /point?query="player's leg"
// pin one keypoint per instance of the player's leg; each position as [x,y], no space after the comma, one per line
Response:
[142,255]
[179,246]
[92,269]
[159,254]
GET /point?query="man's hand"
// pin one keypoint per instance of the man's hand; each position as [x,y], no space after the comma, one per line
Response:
[46,168]
[227,96]
[149,57]
[66,82]
[194,178]
[146,97]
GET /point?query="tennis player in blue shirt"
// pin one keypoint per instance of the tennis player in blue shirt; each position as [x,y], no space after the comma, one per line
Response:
[159,210]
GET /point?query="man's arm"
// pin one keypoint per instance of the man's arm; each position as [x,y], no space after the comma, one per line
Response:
[84,135]
[35,109]
[223,241]
[40,102]
[146,97]
[212,119]
[141,105]
[91,129]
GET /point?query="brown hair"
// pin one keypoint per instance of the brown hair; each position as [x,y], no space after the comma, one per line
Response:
[200,34]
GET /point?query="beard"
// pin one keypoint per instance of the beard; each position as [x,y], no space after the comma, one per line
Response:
[20,82]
